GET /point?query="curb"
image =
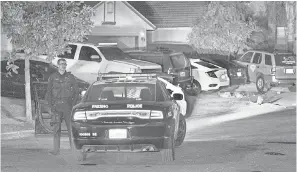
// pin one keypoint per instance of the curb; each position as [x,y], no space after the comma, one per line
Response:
[17,134]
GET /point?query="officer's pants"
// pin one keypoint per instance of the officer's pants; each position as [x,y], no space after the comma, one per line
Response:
[64,112]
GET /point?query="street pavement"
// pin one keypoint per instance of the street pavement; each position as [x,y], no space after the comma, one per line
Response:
[262,143]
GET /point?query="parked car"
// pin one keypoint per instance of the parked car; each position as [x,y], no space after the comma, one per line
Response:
[237,73]
[132,113]
[14,86]
[85,61]
[270,69]
[208,75]
[175,64]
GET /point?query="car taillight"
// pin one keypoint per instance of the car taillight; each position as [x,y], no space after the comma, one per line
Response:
[272,71]
[80,115]
[212,74]
[156,115]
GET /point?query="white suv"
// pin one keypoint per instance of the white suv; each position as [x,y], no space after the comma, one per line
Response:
[270,69]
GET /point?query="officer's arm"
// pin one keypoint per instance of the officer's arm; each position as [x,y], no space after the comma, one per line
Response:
[75,91]
[48,95]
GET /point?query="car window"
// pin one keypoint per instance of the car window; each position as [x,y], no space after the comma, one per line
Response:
[257,58]
[69,54]
[268,59]
[179,61]
[121,92]
[114,53]
[86,53]
[247,57]
[285,60]
[162,93]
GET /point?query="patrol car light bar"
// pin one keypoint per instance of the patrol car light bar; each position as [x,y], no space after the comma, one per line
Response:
[125,76]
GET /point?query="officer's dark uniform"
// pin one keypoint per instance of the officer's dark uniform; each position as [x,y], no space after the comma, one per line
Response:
[62,94]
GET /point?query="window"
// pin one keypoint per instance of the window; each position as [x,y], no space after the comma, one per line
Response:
[70,53]
[257,58]
[122,92]
[268,59]
[109,7]
[179,61]
[87,52]
[114,53]
[162,93]
[247,57]
[285,60]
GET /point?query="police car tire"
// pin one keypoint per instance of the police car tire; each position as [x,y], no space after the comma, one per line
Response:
[181,134]
[168,154]
[79,154]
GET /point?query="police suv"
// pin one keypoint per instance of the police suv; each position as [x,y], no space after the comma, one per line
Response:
[126,112]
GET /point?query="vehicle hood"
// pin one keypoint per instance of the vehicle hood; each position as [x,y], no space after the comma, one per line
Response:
[139,63]
[108,105]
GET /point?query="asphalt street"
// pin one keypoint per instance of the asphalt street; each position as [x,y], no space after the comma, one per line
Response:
[264,143]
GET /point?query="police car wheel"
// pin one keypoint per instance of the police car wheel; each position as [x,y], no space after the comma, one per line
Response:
[168,154]
[182,129]
[79,154]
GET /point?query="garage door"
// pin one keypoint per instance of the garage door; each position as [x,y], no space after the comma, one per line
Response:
[124,42]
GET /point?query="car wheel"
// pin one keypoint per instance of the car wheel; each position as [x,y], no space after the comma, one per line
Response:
[182,130]
[168,154]
[79,154]
[196,88]
[260,83]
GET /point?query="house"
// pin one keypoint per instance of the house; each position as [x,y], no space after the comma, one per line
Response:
[136,24]
[118,21]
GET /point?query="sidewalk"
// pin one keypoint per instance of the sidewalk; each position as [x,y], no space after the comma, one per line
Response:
[13,120]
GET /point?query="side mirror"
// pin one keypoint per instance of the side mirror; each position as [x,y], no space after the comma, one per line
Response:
[177,96]
[95,58]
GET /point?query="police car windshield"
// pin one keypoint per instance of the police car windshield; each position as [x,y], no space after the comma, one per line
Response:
[122,92]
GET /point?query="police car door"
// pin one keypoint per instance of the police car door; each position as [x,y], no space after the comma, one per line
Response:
[89,63]
[174,107]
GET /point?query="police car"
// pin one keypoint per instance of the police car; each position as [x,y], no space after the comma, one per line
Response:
[126,112]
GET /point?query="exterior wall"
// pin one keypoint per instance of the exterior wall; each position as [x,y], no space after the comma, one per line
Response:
[125,18]
[169,35]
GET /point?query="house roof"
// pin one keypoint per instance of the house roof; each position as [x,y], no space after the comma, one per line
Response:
[165,14]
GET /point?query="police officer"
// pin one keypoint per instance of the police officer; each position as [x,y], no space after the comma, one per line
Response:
[62,94]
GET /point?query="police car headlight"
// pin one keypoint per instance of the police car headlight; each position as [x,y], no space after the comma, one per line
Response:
[79,116]
[156,115]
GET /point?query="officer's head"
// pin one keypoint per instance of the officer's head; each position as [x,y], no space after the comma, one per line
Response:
[62,64]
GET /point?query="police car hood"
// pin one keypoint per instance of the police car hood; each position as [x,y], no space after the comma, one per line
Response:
[139,63]
[108,105]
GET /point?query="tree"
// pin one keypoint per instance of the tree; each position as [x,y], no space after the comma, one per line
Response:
[44,27]
[224,28]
